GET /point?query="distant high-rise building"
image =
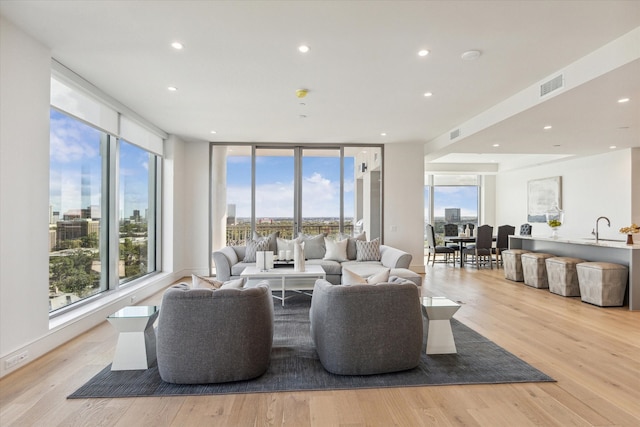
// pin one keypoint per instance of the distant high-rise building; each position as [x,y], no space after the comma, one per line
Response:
[452,215]
[85,190]
[136,215]
[231,214]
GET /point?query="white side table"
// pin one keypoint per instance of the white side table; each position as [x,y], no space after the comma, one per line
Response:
[136,348]
[439,311]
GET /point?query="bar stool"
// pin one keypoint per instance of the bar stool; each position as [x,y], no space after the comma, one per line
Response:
[512,263]
[534,269]
[562,276]
[602,283]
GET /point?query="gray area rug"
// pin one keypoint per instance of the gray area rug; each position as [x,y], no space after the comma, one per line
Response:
[295,366]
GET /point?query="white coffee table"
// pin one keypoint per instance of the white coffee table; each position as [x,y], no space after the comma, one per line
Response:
[439,311]
[288,278]
[136,348]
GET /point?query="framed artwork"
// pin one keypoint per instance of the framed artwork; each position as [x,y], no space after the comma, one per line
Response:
[542,195]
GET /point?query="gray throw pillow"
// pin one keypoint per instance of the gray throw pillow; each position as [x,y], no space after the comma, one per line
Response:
[254,246]
[271,238]
[351,246]
[368,251]
[313,246]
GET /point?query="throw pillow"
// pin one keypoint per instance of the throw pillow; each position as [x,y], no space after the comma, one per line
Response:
[285,245]
[351,278]
[254,246]
[351,246]
[336,250]
[271,238]
[233,284]
[368,251]
[205,282]
[313,246]
[381,277]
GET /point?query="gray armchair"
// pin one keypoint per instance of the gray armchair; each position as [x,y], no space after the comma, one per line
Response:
[214,336]
[367,329]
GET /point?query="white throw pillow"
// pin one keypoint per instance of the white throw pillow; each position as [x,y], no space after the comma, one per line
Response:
[233,284]
[285,245]
[351,278]
[336,250]
[205,282]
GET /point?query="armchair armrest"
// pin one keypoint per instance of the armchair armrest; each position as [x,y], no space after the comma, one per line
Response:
[224,259]
[394,258]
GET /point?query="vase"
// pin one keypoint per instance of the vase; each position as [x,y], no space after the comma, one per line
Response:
[629,239]
[555,219]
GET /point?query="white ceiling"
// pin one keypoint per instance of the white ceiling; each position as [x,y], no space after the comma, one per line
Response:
[240,68]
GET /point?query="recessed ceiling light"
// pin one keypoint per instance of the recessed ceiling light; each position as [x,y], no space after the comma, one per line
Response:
[172,88]
[177,45]
[303,116]
[623,100]
[547,127]
[496,145]
[303,48]
[213,132]
[423,52]
[428,94]
[383,134]
[612,147]
[470,55]
[556,145]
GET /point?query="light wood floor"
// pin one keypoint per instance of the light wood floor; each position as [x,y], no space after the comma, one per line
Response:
[593,353]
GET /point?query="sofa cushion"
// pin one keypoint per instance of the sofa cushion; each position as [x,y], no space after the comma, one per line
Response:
[368,251]
[254,246]
[351,245]
[313,246]
[329,266]
[336,249]
[237,269]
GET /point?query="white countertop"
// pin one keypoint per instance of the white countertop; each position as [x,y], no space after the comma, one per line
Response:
[588,241]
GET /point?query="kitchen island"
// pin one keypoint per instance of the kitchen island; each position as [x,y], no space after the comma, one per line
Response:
[588,249]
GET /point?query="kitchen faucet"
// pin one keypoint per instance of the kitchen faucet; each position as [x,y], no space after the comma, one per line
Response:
[597,221]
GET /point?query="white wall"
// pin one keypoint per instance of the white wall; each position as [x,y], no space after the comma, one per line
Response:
[25,72]
[404,200]
[195,225]
[591,187]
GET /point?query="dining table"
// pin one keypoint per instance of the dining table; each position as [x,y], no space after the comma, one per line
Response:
[462,241]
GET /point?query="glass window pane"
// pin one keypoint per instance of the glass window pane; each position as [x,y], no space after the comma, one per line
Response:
[274,192]
[75,211]
[238,182]
[321,192]
[136,197]
[454,204]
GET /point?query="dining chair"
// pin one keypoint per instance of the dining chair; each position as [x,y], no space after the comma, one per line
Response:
[451,230]
[502,242]
[434,249]
[481,251]
[525,229]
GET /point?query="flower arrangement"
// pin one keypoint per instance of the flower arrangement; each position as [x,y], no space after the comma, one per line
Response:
[632,229]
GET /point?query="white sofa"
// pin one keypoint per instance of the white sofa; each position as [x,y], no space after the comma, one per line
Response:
[229,264]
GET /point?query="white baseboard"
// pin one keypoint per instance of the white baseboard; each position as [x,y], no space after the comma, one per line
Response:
[69,325]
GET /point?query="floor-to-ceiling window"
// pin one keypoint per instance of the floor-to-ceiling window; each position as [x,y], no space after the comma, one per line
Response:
[103,199]
[300,189]
[76,240]
[451,199]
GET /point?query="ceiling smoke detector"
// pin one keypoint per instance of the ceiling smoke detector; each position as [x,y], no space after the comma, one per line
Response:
[470,55]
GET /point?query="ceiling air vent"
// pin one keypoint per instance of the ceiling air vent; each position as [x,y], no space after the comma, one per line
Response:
[549,86]
[454,134]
